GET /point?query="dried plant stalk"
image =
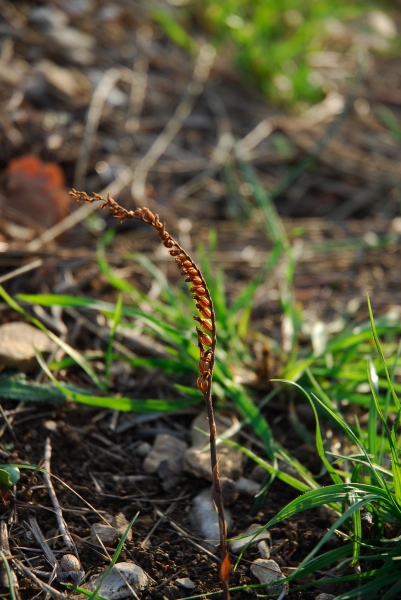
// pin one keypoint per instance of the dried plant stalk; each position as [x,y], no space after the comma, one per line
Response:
[206,343]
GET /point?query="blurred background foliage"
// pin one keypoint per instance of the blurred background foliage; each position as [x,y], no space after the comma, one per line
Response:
[280,46]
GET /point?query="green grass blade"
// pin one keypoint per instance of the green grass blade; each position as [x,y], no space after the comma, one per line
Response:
[372,421]
[379,349]
[115,556]
[252,415]
[396,467]
[79,359]
[10,579]
[113,331]
[319,440]
[123,404]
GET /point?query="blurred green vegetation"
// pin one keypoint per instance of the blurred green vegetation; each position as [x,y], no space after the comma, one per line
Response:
[270,41]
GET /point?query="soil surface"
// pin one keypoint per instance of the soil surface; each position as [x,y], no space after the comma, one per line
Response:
[99,90]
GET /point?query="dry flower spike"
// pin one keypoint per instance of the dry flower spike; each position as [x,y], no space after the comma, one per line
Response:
[206,343]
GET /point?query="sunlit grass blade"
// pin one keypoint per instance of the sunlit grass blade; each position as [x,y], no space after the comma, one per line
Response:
[113,331]
[79,359]
[293,482]
[115,557]
[166,332]
[379,350]
[123,404]
[252,415]
[319,440]
[372,421]
[396,467]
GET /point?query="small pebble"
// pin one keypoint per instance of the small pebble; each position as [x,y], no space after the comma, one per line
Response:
[18,341]
[185,582]
[166,459]
[119,583]
[69,562]
[120,523]
[249,536]
[248,486]
[264,549]
[267,572]
[204,517]
[325,597]
[229,490]
[105,533]
[171,592]
[4,581]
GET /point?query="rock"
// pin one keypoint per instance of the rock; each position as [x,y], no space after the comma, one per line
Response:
[104,533]
[268,572]
[186,583]
[249,536]
[70,570]
[120,523]
[118,582]
[258,473]
[325,597]
[197,459]
[264,549]
[171,592]
[204,517]
[18,341]
[5,581]
[69,562]
[229,490]
[143,449]
[247,486]
[166,459]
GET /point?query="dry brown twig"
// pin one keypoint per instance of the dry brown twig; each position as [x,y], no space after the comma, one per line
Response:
[206,343]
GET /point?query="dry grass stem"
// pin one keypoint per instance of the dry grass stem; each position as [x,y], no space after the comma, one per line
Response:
[62,525]
[206,343]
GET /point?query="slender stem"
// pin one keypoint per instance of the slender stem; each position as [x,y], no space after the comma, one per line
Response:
[206,344]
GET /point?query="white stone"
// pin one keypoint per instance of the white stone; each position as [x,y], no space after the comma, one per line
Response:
[204,517]
[268,572]
[197,459]
[185,582]
[248,486]
[325,597]
[18,341]
[118,582]
[166,459]
[247,537]
[105,533]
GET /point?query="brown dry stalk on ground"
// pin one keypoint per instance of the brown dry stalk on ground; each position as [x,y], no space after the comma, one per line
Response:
[206,343]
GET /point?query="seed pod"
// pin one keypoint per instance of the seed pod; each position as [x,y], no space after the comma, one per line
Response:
[206,324]
[186,263]
[203,300]
[174,252]
[198,290]
[148,216]
[192,271]
[205,312]
[196,280]
[157,223]
[202,384]
[203,366]
[168,242]
[203,337]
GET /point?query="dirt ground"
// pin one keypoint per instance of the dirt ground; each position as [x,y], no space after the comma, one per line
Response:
[100,90]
